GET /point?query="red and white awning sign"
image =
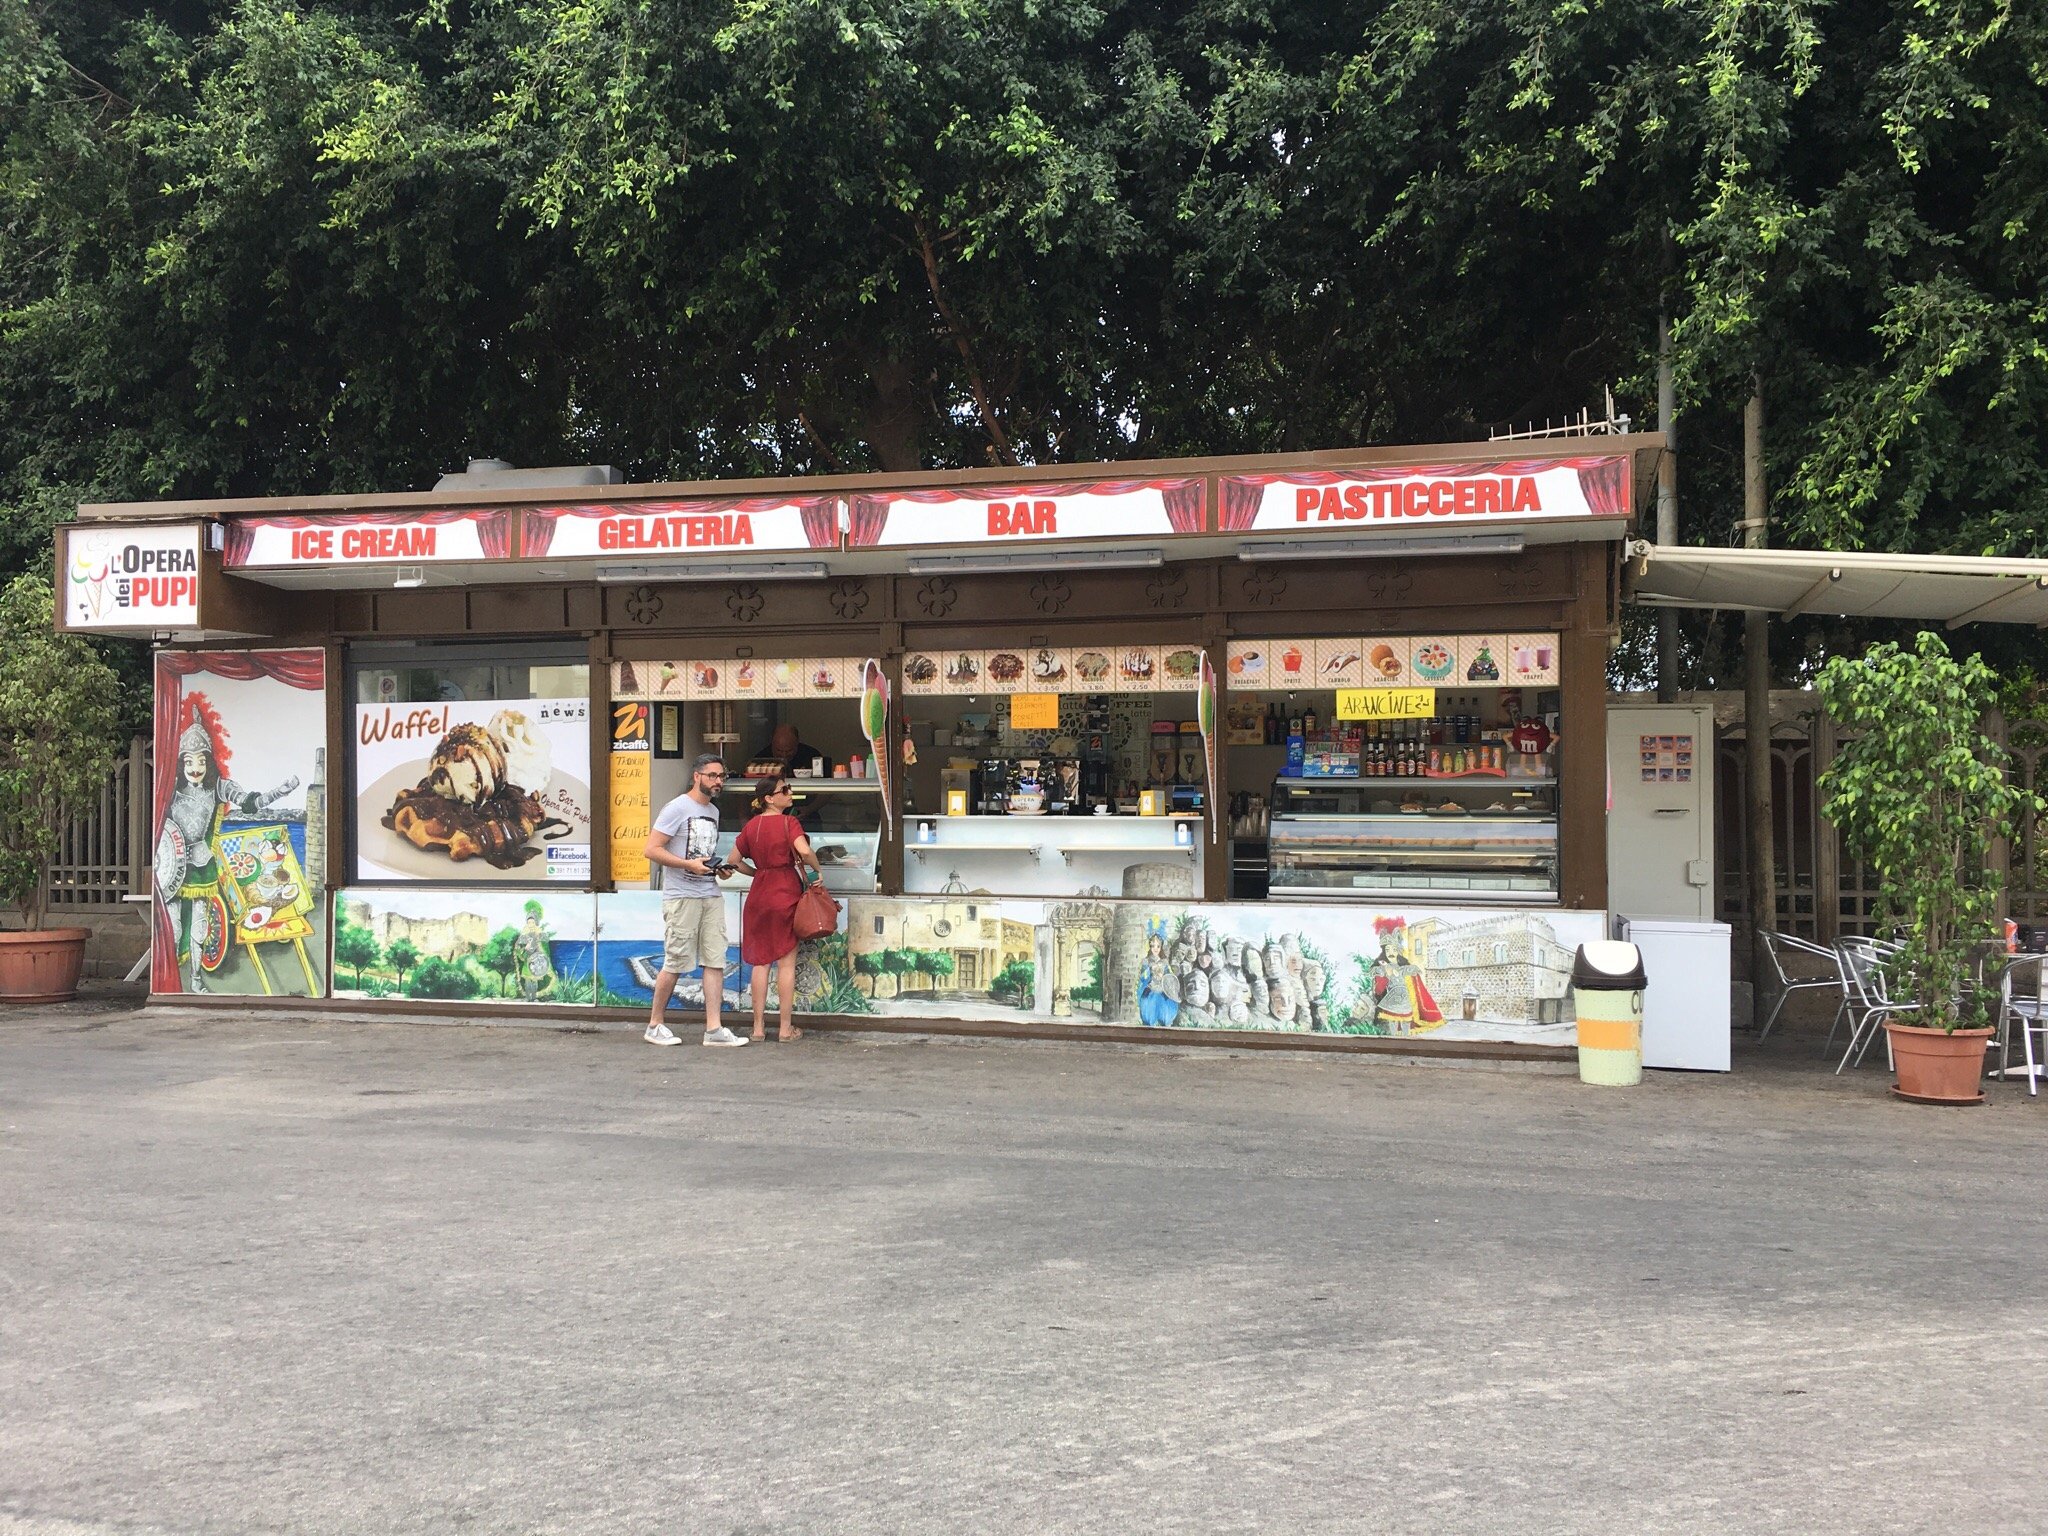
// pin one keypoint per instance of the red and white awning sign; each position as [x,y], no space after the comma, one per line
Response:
[1027,514]
[1425,495]
[759,524]
[369,538]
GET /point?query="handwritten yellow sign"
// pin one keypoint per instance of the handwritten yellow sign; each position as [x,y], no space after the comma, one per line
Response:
[1385,703]
[632,813]
[1034,711]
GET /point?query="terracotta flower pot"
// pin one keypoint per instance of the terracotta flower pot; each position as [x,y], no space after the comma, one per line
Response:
[43,966]
[1939,1067]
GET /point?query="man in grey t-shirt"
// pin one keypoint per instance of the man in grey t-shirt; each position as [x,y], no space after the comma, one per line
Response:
[684,843]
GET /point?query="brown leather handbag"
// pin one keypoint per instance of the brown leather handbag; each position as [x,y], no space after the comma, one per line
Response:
[816,914]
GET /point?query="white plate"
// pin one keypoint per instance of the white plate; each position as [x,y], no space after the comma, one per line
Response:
[381,854]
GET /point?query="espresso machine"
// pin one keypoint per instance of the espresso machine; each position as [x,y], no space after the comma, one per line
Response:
[991,795]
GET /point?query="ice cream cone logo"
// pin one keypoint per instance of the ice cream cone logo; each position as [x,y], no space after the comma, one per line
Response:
[90,567]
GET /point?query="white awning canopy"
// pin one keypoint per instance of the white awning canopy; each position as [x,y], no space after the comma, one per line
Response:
[1953,589]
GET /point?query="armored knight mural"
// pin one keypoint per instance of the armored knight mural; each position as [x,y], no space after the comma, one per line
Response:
[239,860]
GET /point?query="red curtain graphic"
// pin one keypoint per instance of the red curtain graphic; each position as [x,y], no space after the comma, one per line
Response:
[295,669]
[821,523]
[870,514]
[1605,484]
[820,516]
[1240,503]
[1184,506]
[493,528]
[537,530]
[1603,480]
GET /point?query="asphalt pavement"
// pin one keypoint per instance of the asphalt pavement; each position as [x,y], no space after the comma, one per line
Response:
[306,1273]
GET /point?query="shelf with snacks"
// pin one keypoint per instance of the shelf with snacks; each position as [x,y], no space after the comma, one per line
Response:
[1478,777]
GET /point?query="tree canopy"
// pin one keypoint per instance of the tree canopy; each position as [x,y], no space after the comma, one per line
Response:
[256,247]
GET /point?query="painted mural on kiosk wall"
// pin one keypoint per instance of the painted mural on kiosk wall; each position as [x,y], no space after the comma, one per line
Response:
[1442,973]
[239,858]
[628,959]
[438,944]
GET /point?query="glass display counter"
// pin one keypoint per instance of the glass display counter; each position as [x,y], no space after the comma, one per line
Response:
[841,817]
[1473,839]
[1049,855]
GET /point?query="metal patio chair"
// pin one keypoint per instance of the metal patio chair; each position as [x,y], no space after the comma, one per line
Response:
[2020,1001]
[1797,962]
[1865,964]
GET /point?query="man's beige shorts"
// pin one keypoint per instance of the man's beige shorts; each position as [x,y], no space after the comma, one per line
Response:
[692,933]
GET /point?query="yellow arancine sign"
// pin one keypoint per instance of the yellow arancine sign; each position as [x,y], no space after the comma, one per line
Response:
[1385,703]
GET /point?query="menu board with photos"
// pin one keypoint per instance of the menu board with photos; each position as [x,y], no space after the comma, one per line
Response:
[1054,669]
[1382,661]
[784,677]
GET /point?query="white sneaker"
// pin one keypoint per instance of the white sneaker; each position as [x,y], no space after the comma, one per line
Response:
[660,1034]
[723,1036]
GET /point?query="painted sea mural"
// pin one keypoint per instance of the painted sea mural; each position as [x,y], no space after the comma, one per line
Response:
[628,957]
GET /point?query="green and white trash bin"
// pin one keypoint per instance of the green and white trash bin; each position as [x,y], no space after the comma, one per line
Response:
[1607,992]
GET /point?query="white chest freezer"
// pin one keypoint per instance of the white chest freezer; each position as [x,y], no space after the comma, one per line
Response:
[1686,1004]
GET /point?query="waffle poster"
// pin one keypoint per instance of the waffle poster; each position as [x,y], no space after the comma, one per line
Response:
[473,791]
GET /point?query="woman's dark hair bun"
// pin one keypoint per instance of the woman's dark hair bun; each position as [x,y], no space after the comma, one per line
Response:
[765,786]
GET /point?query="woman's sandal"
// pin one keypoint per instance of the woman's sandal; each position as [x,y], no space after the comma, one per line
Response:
[794,1034]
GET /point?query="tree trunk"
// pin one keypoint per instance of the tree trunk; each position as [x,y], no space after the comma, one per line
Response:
[892,421]
[1667,505]
[1756,705]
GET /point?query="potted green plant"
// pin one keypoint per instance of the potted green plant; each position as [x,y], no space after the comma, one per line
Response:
[59,735]
[1918,792]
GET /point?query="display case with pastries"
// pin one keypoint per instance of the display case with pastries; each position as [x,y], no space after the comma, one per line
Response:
[1471,839]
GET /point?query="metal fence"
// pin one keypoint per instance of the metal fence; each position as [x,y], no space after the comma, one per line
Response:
[103,855]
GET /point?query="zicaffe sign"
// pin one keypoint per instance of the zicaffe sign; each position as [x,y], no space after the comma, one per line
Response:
[1412,495]
[122,578]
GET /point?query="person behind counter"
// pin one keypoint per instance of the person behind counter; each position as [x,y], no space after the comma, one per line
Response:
[789,749]
[770,848]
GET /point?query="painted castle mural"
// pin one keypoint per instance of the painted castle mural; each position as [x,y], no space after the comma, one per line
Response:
[1448,974]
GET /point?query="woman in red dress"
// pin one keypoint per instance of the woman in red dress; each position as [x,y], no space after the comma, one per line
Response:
[769,848]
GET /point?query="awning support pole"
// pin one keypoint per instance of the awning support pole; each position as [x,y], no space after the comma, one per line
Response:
[1756,705]
[1667,501]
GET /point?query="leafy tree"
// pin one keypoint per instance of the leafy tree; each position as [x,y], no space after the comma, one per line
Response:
[1015,982]
[434,977]
[356,948]
[57,738]
[1918,792]
[401,956]
[898,964]
[1090,990]
[869,964]
[500,956]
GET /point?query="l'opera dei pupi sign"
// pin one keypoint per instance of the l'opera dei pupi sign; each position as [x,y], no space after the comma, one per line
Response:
[129,578]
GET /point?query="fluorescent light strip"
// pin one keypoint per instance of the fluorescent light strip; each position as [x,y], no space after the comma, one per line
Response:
[779,570]
[1049,560]
[1348,549]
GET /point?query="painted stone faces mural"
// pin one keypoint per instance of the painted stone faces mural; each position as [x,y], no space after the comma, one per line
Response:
[239,863]
[1451,974]
[475,946]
